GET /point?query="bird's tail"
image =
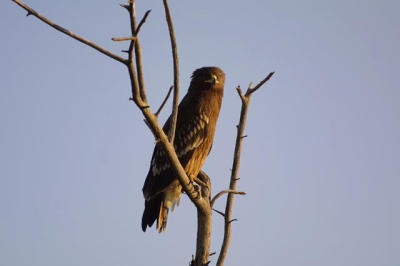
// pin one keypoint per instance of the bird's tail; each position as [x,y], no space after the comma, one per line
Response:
[151,211]
[162,217]
[155,209]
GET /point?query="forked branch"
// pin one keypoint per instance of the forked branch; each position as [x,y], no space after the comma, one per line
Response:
[137,48]
[235,167]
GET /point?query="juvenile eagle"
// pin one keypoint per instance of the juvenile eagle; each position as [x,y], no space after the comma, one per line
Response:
[195,127]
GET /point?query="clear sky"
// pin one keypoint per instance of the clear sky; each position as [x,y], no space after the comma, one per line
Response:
[320,165]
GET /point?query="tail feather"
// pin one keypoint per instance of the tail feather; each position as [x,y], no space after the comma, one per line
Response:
[162,218]
[155,209]
[151,211]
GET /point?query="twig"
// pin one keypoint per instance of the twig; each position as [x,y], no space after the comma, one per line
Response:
[251,90]
[142,21]
[125,6]
[235,166]
[219,212]
[171,133]
[223,192]
[119,39]
[69,33]
[164,102]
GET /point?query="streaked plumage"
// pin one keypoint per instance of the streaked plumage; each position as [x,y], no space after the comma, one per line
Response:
[197,118]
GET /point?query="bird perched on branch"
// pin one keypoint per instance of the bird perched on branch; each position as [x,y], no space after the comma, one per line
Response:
[195,128]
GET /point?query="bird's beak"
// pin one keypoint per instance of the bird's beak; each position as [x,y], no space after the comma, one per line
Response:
[213,79]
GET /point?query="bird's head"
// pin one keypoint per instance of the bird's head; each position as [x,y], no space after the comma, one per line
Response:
[208,78]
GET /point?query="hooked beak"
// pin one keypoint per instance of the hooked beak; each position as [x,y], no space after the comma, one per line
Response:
[213,79]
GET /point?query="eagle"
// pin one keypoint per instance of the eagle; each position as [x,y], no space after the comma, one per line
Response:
[197,117]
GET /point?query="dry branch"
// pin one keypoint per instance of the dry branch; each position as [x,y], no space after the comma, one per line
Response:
[70,33]
[119,39]
[142,21]
[219,212]
[224,192]
[164,102]
[137,48]
[171,133]
[235,167]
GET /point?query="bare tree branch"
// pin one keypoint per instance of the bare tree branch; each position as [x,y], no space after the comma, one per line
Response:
[171,133]
[142,21]
[223,192]
[119,39]
[138,49]
[251,90]
[235,167]
[133,77]
[125,6]
[219,212]
[69,33]
[164,102]
[204,223]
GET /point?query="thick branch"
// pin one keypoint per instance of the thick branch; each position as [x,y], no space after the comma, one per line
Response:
[69,33]
[235,167]
[171,133]
[204,223]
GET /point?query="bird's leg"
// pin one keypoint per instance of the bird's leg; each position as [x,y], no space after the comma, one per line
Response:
[194,178]
[196,187]
[200,182]
[206,188]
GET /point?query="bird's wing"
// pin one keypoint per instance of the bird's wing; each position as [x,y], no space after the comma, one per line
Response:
[189,135]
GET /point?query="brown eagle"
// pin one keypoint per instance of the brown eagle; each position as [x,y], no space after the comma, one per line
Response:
[195,127]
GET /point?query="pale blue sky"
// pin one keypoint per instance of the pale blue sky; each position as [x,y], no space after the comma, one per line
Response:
[320,166]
